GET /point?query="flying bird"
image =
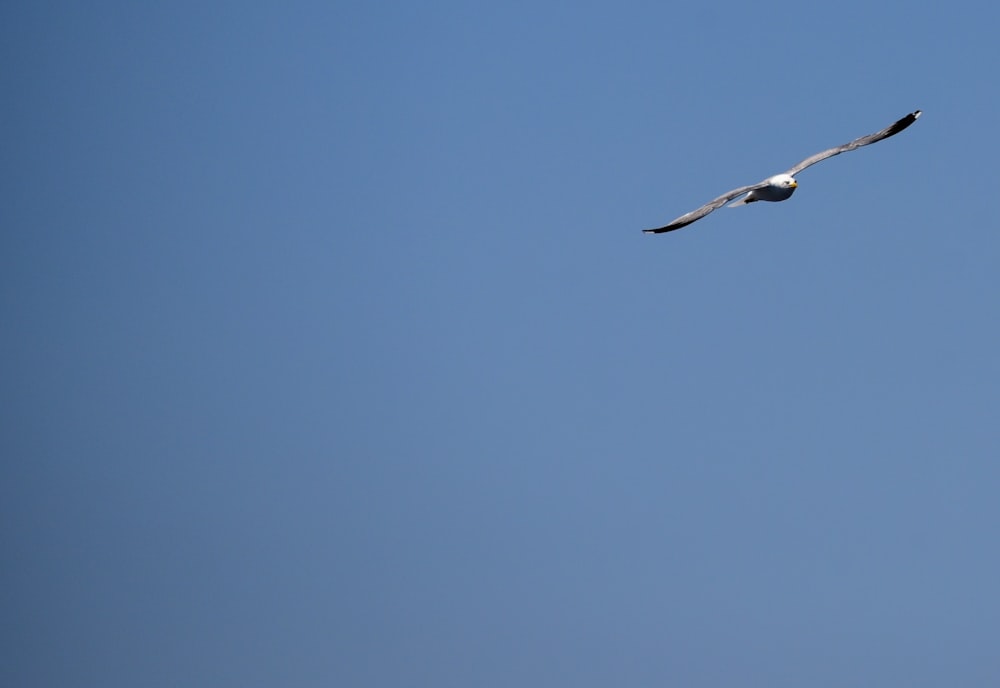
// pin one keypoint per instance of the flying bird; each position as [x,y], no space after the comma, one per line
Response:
[781,186]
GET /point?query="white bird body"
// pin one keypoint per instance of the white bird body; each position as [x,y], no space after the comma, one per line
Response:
[780,187]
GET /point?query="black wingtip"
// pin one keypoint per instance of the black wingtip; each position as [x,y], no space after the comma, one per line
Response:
[902,124]
[667,228]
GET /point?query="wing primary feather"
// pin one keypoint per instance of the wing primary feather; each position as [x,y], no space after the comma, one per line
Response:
[890,130]
[698,213]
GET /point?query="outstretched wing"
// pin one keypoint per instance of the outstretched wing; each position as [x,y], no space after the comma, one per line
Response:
[890,130]
[715,203]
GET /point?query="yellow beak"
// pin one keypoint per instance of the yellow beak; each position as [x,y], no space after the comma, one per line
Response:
[794,184]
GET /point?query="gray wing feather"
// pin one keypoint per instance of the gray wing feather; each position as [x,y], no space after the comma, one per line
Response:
[714,204]
[890,130]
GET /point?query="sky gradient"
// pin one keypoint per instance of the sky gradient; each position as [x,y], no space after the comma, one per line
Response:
[333,353]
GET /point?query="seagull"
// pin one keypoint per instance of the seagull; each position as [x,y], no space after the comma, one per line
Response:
[781,186]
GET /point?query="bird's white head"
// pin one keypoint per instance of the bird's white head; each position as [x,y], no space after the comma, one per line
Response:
[783,181]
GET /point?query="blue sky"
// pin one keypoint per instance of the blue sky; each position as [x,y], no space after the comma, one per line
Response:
[333,353]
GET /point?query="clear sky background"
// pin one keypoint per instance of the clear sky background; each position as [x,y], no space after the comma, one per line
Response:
[333,354]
